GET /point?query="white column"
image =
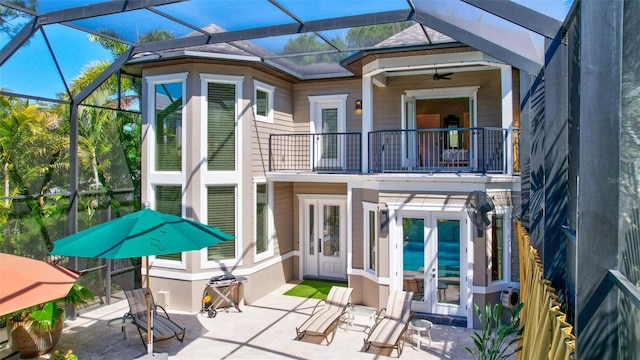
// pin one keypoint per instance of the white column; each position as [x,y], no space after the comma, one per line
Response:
[367,119]
[506,84]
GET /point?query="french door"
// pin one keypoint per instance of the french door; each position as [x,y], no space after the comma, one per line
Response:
[434,261]
[324,234]
[328,145]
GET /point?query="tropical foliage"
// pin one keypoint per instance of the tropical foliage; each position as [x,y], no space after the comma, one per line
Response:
[497,340]
[45,315]
[35,161]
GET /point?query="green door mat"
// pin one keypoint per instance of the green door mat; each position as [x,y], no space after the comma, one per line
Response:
[315,289]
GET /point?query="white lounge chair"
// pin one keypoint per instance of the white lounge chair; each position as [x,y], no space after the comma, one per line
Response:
[324,320]
[391,323]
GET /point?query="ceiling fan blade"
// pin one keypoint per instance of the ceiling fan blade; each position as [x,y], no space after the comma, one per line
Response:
[446,74]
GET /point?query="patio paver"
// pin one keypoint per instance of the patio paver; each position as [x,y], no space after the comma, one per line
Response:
[264,330]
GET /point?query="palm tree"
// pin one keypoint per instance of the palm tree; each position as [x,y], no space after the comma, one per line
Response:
[31,148]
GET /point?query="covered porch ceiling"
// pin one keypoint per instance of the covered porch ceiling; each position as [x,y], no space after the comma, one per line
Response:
[48,41]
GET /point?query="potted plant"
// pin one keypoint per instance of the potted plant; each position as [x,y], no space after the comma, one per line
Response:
[34,331]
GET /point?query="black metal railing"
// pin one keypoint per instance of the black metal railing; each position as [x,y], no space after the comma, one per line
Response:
[330,153]
[481,150]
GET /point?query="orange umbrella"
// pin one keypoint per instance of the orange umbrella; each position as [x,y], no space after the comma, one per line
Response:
[26,282]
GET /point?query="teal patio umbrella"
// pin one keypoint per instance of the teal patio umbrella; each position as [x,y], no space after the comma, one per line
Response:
[143,233]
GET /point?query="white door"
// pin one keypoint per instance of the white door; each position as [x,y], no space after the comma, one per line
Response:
[324,237]
[327,147]
[409,134]
[434,261]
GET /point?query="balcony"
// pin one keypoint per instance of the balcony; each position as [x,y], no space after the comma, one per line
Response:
[473,150]
[451,150]
[338,153]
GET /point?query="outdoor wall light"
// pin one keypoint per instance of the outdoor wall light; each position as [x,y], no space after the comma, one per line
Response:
[358,105]
[383,217]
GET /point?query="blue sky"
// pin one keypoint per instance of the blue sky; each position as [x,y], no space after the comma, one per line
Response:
[73,51]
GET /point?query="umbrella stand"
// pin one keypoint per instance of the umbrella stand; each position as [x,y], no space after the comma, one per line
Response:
[149,314]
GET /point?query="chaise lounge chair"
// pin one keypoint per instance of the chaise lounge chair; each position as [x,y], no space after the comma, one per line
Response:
[391,323]
[163,327]
[324,321]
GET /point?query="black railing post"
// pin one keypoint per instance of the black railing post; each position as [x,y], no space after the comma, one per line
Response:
[484,151]
[270,153]
[382,143]
[360,152]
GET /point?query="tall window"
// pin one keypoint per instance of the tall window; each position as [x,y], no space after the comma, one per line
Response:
[221,126]
[164,148]
[262,235]
[497,248]
[169,201]
[263,101]
[221,136]
[221,213]
[370,216]
[168,126]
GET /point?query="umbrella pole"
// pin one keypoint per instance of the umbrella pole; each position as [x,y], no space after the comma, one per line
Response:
[149,314]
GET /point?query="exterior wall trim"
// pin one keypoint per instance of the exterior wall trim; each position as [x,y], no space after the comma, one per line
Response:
[181,275]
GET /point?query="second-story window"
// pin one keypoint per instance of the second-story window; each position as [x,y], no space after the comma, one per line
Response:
[263,101]
[221,129]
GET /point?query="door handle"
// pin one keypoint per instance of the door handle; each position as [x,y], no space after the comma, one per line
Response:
[319,245]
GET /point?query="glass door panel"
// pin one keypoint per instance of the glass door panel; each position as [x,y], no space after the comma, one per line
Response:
[413,255]
[448,261]
[331,231]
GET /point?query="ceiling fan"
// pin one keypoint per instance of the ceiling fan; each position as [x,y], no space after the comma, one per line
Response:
[444,76]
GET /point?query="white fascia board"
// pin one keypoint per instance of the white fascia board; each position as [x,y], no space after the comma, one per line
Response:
[312,177]
[442,182]
[413,182]
[196,54]
[427,61]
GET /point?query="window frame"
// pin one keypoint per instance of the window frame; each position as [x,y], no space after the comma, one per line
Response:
[153,174]
[163,178]
[506,250]
[222,177]
[270,90]
[368,207]
[164,263]
[269,220]
[204,255]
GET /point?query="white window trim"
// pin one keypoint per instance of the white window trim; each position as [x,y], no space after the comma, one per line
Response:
[228,263]
[164,178]
[270,236]
[506,248]
[153,260]
[222,178]
[270,90]
[152,174]
[366,207]
[214,177]
[443,93]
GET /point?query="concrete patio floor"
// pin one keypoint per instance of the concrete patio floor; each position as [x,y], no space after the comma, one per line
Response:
[263,330]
